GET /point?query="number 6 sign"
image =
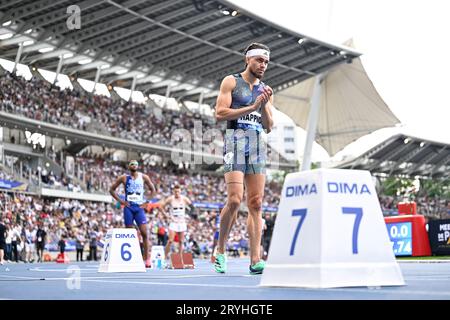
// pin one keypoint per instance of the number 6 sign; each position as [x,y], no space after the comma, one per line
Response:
[122,252]
[330,232]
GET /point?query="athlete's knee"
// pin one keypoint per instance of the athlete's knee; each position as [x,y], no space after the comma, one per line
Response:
[234,201]
[255,202]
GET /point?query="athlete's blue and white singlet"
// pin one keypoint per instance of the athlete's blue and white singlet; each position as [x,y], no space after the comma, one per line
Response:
[134,195]
[244,149]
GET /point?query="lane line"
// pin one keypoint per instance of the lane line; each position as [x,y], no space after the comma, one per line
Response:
[346,290]
[165,277]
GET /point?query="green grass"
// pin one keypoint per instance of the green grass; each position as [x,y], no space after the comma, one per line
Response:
[425,258]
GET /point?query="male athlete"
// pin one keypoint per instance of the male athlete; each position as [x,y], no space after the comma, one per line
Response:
[177,218]
[134,202]
[245,102]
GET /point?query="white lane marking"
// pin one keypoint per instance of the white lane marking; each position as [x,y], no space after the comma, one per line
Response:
[346,290]
[57,270]
[396,292]
[20,277]
[121,277]
[177,284]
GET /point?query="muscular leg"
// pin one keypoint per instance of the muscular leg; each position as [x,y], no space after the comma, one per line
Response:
[181,238]
[213,248]
[235,190]
[145,239]
[169,243]
[255,191]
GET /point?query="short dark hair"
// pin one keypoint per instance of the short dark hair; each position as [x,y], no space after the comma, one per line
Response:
[176,187]
[256,45]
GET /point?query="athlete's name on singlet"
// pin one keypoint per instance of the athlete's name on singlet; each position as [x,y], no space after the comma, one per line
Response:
[251,118]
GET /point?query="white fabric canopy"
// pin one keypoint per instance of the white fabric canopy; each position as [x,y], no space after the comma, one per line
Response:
[350,106]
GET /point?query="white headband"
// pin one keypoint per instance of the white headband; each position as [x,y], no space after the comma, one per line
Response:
[258,52]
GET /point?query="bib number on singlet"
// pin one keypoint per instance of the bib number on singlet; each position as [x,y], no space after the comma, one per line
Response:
[134,197]
[178,213]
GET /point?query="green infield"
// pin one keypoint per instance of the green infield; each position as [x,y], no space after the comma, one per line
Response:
[424,258]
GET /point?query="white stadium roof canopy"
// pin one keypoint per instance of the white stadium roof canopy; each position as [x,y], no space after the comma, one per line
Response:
[349,106]
[404,155]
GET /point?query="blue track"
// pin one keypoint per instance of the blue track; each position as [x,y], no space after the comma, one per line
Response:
[424,281]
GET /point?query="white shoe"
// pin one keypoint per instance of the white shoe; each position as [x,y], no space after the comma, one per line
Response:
[166,264]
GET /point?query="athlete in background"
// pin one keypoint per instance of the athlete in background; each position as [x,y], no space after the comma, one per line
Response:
[134,202]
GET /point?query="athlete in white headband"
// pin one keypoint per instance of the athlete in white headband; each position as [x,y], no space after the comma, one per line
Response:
[245,103]
[258,52]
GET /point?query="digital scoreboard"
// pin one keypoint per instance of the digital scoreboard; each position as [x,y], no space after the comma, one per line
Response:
[401,238]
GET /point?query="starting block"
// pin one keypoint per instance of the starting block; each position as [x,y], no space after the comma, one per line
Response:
[177,263]
[122,252]
[188,260]
[330,232]
[62,258]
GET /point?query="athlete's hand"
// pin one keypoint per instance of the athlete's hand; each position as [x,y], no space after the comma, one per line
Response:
[125,203]
[268,90]
[260,101]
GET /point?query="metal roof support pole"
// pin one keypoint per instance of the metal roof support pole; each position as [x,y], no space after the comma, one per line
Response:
[313,119]
[133,86]
[39,170]
[18,55]
[200,98]
[97,77]
[52,147]
[58,69]
[167,95]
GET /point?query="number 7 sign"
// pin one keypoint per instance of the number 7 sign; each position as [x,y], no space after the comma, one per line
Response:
[330,232]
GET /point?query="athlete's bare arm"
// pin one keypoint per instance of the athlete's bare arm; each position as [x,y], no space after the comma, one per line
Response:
[223,105]
[112,190]
[266,114]
[149,184]
[163,204]
[188,202]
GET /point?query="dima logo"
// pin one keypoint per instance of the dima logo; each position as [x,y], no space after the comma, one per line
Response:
[295,191]
[347,188]
[124,236]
